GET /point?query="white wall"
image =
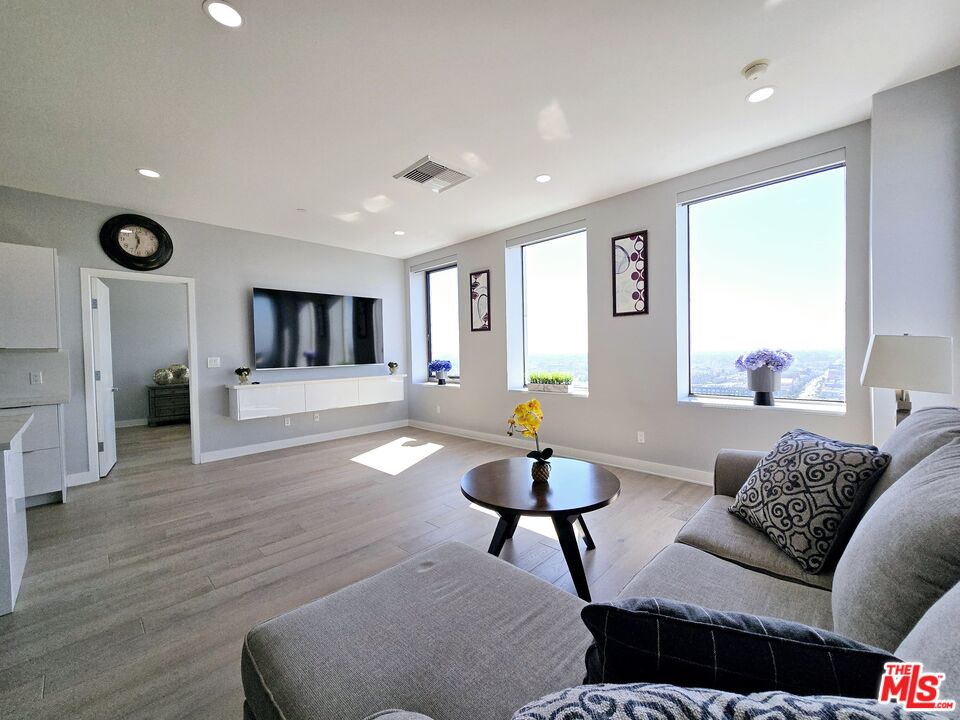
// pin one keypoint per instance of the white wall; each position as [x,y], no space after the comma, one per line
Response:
[226,264]
[148,325]
[915,221]
[633,360]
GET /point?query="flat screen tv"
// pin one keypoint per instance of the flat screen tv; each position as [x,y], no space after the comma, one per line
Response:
[301,329]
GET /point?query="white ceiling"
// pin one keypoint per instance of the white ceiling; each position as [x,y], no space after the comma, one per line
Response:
[316,105]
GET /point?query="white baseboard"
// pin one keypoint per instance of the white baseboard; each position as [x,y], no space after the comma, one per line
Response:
[700,477]
[130,423]
[82,478]
[243,450]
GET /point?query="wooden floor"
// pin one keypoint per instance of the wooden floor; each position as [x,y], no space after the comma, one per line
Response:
[138,591]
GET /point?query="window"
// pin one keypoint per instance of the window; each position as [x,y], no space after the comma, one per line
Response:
[767,268]
[555,307]
[443,317]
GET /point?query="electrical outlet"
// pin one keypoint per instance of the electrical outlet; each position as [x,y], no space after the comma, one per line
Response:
[641,437]
[286,422]
[438,409]
[213,362]
[316,417]
[36,378]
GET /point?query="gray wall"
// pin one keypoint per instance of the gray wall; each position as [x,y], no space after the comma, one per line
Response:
[148,325]
[916,221]
[226,264]
[633,360]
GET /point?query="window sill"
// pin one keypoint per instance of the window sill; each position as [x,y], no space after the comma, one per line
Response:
[433,383]
[573,392]
[802,406]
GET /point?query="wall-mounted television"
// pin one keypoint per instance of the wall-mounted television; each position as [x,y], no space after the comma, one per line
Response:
[294,329]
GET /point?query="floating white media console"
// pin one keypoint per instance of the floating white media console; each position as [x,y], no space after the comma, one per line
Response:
[248,402]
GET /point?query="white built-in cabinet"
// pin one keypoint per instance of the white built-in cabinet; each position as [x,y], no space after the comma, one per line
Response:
[29,340]
[248,402]
[28,296]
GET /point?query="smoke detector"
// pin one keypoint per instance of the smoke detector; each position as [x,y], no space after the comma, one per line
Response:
[754,70]
[431,174]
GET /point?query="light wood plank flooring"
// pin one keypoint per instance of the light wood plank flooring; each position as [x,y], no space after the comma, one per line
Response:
[138,591]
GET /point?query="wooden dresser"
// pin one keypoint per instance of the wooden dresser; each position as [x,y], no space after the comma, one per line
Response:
[168,404]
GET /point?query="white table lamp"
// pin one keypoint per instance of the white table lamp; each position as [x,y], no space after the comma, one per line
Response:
[909,362]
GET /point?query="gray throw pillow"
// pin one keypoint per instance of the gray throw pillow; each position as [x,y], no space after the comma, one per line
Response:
[644,701]
[806,492]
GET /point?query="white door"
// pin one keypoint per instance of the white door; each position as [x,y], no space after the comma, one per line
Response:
[103,376]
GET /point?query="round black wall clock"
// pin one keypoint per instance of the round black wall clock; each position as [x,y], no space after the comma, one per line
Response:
[136,242]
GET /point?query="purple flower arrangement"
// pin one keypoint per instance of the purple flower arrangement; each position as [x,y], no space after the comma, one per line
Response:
[437,366]
[777,360]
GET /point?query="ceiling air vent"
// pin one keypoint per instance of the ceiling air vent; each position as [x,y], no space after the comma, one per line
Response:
[432,174]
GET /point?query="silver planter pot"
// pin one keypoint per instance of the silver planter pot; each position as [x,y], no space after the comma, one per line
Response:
[763,382]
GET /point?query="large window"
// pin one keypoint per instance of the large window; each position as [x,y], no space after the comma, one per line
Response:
[767,271]
[443,317]
[555,307]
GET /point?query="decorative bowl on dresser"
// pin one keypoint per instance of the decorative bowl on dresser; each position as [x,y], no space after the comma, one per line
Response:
[168,404]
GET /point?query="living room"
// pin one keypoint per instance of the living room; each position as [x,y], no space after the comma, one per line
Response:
[669,261]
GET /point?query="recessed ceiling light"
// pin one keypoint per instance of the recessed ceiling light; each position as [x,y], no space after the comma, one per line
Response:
[147,172]
[543,178]
[399,233]
[760,94]
[223,13]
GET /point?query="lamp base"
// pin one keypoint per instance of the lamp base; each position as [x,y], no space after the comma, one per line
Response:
[904,406]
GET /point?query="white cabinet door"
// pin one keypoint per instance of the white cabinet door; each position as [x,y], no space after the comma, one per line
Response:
[258,401]
[331,394]
[380,390]
[28,296]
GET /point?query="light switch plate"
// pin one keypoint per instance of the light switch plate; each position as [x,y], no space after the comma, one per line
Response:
[213,362]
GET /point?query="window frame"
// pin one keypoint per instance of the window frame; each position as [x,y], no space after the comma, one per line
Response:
[523,299]
[736,191]
[429,323]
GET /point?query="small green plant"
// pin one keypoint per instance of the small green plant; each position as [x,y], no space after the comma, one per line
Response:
[551,378]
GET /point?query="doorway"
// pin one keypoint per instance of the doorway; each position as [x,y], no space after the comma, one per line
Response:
[118,396]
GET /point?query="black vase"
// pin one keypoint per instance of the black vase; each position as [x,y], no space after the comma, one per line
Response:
[763,398]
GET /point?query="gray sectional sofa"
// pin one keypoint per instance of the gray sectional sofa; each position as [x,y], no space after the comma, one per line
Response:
[456,634]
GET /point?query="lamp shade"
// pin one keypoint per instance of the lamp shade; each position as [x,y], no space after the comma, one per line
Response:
[909,362]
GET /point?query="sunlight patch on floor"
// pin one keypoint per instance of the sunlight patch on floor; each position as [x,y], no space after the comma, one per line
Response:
[540,525]
[397,455]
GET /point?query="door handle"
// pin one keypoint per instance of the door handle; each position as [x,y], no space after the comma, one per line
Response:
[114,389]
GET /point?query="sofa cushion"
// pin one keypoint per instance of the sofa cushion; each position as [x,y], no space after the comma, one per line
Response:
[904,554]
[643,701]
[451,633]
[683,573]
[664,641]
[919,435]
[805,493]
[935,642]
[718,532]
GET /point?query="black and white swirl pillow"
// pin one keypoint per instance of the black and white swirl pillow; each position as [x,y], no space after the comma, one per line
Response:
[805,493]
[643,701]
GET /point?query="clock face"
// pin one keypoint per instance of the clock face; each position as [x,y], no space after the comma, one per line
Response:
[138,241]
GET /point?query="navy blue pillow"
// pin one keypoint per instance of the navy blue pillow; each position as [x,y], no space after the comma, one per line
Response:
[653,640]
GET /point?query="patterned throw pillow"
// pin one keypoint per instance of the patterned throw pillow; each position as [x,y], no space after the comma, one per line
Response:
[665,641]
[657,702]
[806,493]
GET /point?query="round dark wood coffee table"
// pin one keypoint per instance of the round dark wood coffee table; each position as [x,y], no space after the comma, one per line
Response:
[576,487]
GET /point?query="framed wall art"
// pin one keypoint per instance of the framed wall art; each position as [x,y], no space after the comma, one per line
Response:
[630,276]
[480,300]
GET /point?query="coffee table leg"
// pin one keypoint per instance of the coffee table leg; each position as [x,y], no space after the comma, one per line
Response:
[571,552]
[504,531]
[587,539]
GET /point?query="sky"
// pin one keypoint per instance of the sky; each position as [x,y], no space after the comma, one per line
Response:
[767,267]
[555,273]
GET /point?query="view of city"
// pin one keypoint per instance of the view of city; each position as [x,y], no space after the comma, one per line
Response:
[814,375]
